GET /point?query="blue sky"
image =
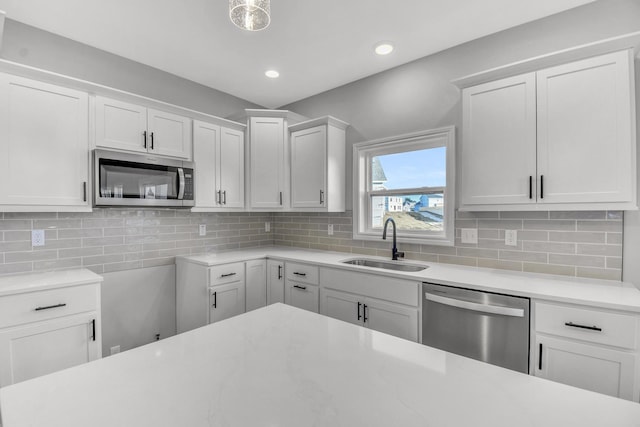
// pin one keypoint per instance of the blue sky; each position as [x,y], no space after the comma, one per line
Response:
[423,168]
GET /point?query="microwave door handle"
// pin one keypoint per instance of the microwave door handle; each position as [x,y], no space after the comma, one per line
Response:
[180,184]
[483,308]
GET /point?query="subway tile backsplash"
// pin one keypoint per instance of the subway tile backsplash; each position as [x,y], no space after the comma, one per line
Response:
[108,240]
[580,243]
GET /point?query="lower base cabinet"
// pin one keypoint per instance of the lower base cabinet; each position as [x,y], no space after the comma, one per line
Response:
[372,313]
[301,295]
[275,281]
[226,301]
[256,284]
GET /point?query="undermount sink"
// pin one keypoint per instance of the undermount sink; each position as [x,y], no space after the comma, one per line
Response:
[387,265]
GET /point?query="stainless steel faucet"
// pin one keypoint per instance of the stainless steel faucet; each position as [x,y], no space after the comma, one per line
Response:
[394,251]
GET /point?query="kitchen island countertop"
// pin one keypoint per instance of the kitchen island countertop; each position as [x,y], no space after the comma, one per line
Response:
[282,366]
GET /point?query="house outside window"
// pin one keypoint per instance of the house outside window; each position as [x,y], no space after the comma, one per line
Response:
[410,178]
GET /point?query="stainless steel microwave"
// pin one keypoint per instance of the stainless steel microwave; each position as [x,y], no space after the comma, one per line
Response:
[123,179]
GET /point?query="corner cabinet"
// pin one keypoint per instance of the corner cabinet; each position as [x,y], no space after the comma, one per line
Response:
[219,155]
[268,155]
[318,165]
[275,281]
[130,127]
[558,138]
[53,328]
[589,348]
[44,146]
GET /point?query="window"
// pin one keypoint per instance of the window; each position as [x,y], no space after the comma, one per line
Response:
[410,178]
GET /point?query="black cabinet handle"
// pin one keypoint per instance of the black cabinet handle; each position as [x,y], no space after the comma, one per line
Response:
[304,288]
[93,328]
[84,191]
[215,300]
[591,328]
[359,304]
[144,142]
[224,195]
[228,275]
[218,197]
[540,357]
[542,186]
[152,140]
[530,187]
[321,197]
[281,198]
[300,274]
[279,272]
[364,313]
[50,306]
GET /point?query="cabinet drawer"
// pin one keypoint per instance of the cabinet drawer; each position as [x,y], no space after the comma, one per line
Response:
[226,273]
[302,273]
[585,324]
[42,305]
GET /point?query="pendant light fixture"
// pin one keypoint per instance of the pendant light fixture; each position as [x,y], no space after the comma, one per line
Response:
[251,15]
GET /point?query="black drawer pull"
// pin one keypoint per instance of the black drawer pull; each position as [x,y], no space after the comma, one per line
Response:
[359,316]
[93,327]
[279,272]
[215,300]
[50,306]
[364,313]
[591,328]
[304,288]
[300,274]
[228,275]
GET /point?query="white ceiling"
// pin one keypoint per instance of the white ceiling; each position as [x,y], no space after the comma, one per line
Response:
[315,45]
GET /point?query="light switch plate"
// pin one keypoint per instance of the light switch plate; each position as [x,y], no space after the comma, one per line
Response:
[267,227]
[202,230]
[37,237]
[511,237]
[470,235]
[330,229]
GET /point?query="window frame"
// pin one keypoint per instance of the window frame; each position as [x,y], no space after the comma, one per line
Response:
[363,193]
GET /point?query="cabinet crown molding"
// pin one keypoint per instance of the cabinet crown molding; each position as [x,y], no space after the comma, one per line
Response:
[326,120]
[630,41]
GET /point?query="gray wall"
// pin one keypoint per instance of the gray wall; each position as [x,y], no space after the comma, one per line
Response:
[41,49]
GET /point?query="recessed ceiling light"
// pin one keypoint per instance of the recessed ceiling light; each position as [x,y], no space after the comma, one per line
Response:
[384,48]
[272,74]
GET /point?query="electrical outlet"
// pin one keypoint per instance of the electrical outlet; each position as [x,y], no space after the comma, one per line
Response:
[37,237]
[115,350]
[330,229]
[202,231]
[267,227]
[511,237]
[470,235]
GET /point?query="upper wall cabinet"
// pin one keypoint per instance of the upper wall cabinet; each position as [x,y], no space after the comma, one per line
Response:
[268,163]
[219,155]
[44,146]
[124,126]
[555,139]
[318,165]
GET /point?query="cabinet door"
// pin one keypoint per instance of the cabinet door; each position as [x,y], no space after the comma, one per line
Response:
[230,168]
[42,348]
[302,296]
[391,318]
[256,284]
[275,281]
[121,125]
[586,148]
[586,366]
[44,144]
[342,306]
[169,134]
[226,301]
[309,167]
[499,142]
[267,162]
[206,138]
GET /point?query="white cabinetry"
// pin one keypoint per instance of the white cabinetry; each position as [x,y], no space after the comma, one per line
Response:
[267,145]
[301,286]
[256,284]
[227,291]
[381,303]
[275,281]
[587,348]
[44,146]
[124,126]
[219,155]
[318,165]
[48,330]
[557,138]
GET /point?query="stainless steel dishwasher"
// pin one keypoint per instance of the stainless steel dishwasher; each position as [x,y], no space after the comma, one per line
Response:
[493,328]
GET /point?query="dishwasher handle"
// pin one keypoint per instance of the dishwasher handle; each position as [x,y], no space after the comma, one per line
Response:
[484,308]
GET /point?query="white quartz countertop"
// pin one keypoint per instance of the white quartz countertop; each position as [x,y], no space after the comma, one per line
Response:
[597,293]
[31,282]
[282,366]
